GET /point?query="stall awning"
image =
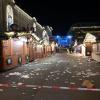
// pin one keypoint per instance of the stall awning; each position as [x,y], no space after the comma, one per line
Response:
[36,37]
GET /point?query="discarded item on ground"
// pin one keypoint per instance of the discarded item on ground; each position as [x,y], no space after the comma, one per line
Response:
[25,76]
[88,84]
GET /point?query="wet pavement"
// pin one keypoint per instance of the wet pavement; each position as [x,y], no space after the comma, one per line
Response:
[57,77]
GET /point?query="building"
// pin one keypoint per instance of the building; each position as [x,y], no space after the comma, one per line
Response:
[13,15]
[79,30]
[82,32]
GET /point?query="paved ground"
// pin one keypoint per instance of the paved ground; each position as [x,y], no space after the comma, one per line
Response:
[53,78]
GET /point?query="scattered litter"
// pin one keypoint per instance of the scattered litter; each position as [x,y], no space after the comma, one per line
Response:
[25,76]
[1,90]
[87,84]
[51,72]
[88,70]
[68,71]
[80,63]
[20,83]
[80,79]
[15,73]
[34,88]
[58,73]
[78,74]
[46,79]
[72,83]
[30,65]
[23,93]
[54,79]
[83,73]
[87,73]
[7,76]
[25,71]
[89,59]
[13,83]
[57,78]
[75,66]
[64,72]
[73,76]
[52,75]
[2,74]
[38,69]
[66,82]
[37,74]
[79,59]
[46,63]
[32,74]
[93,74]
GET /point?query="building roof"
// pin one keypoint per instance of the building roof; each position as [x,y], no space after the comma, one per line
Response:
[80,24]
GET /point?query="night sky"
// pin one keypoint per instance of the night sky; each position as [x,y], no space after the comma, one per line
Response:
[61,14]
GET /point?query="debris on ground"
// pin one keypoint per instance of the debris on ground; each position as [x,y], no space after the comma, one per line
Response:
[88,84]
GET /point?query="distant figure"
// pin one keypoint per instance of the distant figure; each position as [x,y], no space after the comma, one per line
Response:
[52,47]
[70,49]
[56,47]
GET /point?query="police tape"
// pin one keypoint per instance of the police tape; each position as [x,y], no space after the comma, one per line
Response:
[64,88]
[48,87]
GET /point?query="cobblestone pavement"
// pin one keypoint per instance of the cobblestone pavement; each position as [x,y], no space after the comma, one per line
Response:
[42,79]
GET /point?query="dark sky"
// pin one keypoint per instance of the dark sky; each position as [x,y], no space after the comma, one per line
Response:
[61,14]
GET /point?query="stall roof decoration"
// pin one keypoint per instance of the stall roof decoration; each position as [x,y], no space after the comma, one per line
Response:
[36,37]
[90,38]
[11,34]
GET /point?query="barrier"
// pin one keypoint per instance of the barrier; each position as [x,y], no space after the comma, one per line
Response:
[22,85]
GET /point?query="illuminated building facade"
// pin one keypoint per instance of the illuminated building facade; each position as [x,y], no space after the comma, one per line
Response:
[12,14]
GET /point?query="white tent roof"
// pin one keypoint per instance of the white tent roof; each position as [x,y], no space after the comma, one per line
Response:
[90,38]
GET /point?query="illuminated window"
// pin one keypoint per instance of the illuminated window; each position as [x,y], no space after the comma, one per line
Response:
[9,16]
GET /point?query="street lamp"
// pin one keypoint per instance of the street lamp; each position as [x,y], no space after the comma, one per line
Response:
[57,36]
[69,36]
